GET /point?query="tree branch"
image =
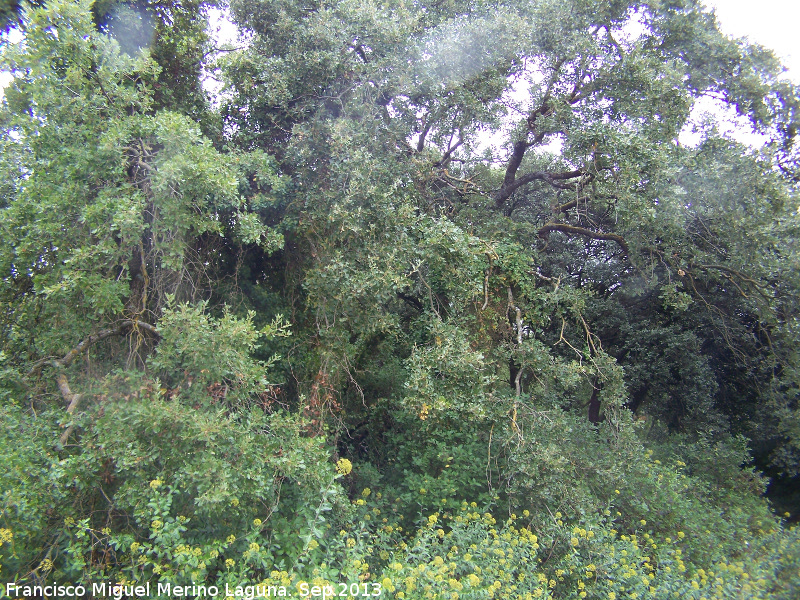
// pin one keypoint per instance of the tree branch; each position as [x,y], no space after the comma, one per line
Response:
[759,287]
[511,184]
[425,129]
[443,162]
[72,399]
[411,301]
[85,344]
[545,230]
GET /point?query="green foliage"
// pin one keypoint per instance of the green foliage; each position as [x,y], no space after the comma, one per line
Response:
[201,357]
[435,457]
[586,328]
[29,493]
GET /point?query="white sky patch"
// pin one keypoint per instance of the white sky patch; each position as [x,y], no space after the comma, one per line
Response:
[770,23]
[220,26]
[726,120]
[225,36]
[13,37]
[5,79]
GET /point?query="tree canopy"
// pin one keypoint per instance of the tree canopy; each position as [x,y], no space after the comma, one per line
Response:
[418,266]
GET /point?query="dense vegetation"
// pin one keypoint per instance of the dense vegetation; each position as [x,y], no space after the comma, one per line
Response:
[321,330]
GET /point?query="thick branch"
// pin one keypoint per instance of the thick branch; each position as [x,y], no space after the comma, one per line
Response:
[513,165]
[422,135]
[449,154]
[360,51]
[514,369]
[515,183]
[411,301]
[69,357]
[545,230]
[759,287]
[567,206]
[72,399]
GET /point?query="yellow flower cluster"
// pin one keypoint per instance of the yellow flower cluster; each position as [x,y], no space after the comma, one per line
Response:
[492,563]
[181,549]
[344,466]
[468,554]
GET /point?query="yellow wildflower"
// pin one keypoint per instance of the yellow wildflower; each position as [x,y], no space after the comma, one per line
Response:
[343,466]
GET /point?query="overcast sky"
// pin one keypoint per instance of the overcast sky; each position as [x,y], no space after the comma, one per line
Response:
[771,23]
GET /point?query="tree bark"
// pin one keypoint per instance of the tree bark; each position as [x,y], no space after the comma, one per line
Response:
[594,406]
